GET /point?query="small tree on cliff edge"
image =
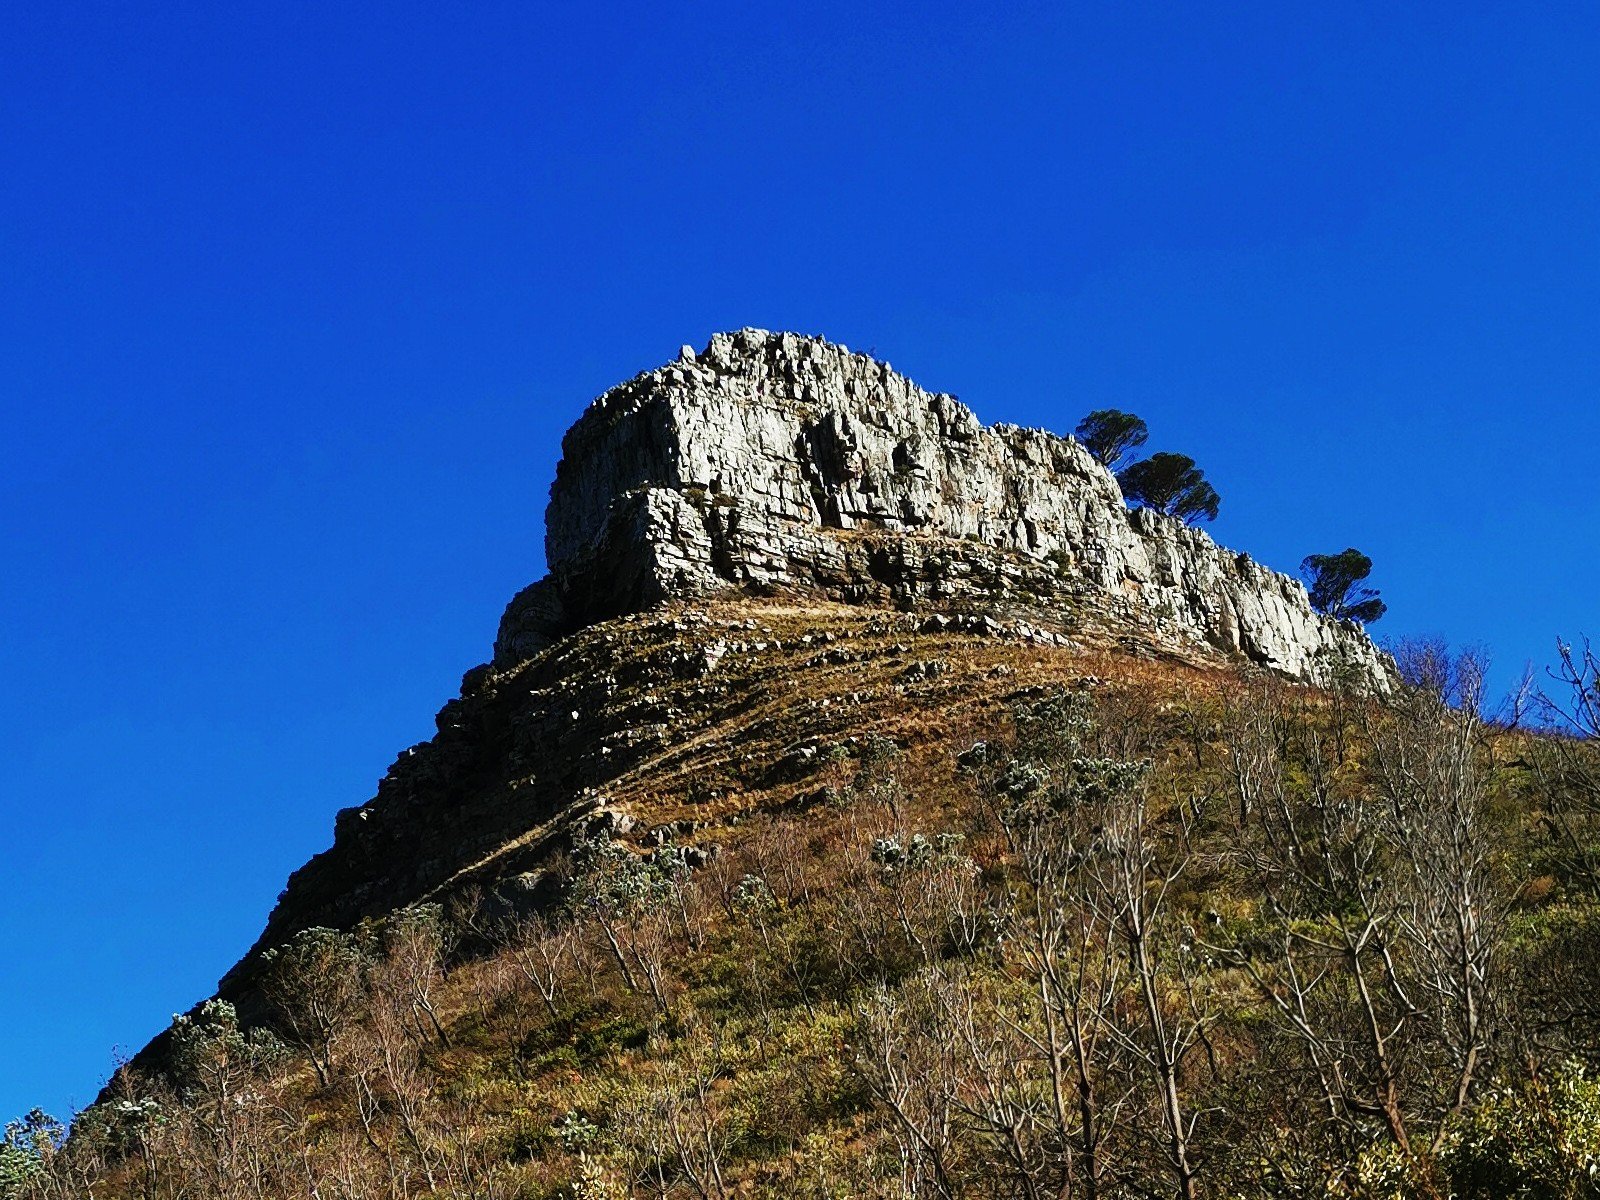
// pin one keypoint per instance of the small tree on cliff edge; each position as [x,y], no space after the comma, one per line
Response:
[1334,581]
[1111,435]
[1171,484]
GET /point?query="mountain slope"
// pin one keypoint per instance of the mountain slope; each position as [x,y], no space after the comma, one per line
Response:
[868,803]
[777,466]
[878,904]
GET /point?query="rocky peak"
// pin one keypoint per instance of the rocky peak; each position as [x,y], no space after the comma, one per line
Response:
[776,460]
[794,494]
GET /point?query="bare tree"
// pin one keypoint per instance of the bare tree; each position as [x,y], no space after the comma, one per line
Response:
[1567,762]
[542,948]
[1092,934]
[675,1134]
[631,900]
[416,943]
[316,984]
[1330,975]
[1377,954]
[1255,727]
[394,1090]
[1133,879]
[1427,756]
[229,1133]
[906,1058]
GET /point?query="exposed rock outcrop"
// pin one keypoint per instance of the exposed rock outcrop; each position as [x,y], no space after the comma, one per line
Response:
[774,463]
[776,460]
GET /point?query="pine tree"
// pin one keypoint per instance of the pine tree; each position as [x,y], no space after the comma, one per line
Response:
[1171,484]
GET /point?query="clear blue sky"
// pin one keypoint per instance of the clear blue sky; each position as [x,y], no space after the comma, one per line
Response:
[299,298]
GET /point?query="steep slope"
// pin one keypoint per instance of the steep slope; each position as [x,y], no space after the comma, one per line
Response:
[996,873]
[757,551]
[687,715]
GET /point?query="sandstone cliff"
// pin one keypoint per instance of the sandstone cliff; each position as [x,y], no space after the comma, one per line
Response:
[775,460]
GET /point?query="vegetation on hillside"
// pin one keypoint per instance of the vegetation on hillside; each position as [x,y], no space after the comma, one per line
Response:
[1336,585]
[1112,436]
[1167,483]
[1170,484]
[1238,939]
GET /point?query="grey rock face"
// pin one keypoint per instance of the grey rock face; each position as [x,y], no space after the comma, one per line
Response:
[778,460]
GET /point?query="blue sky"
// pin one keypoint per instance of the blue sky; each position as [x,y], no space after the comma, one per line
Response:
[298,300]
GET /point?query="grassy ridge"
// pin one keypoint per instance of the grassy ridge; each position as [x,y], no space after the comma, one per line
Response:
[1149,931]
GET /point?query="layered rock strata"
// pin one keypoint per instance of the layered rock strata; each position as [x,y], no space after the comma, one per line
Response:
[773,460]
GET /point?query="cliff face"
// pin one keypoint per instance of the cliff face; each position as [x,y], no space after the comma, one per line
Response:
[794,492]
[775,460]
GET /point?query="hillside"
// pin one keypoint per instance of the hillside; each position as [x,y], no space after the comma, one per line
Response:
[869,804]
[785,467]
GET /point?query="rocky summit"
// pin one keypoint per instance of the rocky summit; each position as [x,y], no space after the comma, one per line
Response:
[773,460]
[763,548]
